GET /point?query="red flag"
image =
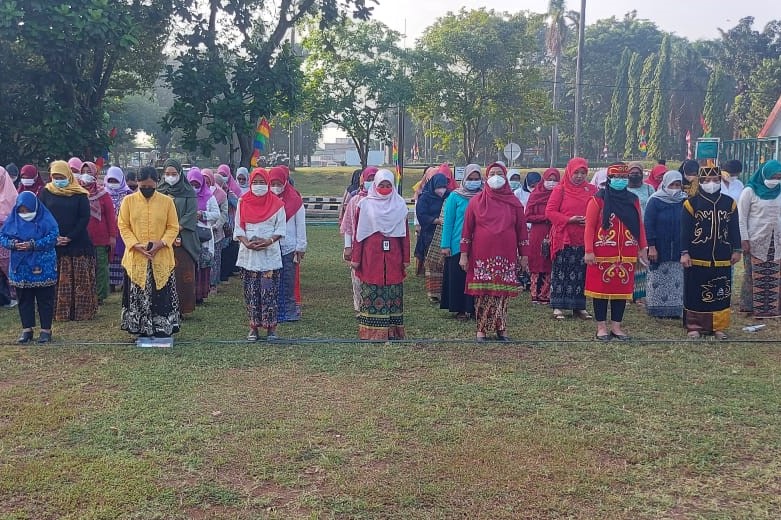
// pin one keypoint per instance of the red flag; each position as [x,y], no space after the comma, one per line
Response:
[688,144]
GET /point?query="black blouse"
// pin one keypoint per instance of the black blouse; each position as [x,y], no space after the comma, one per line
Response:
[710,230]
[72,216]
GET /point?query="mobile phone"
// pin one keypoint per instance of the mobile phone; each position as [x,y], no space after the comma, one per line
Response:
[149,246]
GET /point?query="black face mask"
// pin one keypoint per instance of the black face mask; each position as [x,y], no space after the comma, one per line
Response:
[147,192]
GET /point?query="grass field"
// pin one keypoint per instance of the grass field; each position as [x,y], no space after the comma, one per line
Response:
[217,428]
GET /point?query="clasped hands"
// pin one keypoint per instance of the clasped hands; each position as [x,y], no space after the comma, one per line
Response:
[157,245]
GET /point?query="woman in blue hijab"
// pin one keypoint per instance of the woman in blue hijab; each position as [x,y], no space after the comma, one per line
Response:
[30,233]
[429,212]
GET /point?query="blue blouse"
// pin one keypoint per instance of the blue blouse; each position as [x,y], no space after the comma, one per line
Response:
[453,222]
[35,268]
[663,229]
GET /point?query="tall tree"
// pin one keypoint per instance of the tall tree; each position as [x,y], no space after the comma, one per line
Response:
[355,77]
[555,38]
[632,104]
[660,114]
[717,100]
[646,98]
[615,124]
[765,86]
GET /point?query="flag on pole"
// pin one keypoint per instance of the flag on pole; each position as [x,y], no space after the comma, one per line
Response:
[262,135]
[396,160]
[705,126]
[688,144]
[643,145]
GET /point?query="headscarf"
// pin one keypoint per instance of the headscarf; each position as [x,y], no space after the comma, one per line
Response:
[383,214]
[19,229]
[289,196]
[355,181]
[690,166]
[203,193]
[241,170]
[13,171]
[95,192]
[115,172]
[485,201]
[445,170]
[7,194]
[233,186]
[540,194]
[369,170]
[429,204]
[763,173]
[73,187]
[217,191]
[530,177]
[470,168]
[636,165]
[662,192]
[181,189]
[75,164]
[30,172]
[257,208]
[656,176]
[582,191]
[620,203]
[599,178]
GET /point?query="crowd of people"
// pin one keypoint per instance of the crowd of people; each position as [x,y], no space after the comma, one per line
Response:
[165,238]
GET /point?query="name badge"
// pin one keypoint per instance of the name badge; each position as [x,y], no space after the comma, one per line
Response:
[386,245]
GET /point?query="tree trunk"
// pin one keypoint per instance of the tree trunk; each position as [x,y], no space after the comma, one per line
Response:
[246,148]
[554,134]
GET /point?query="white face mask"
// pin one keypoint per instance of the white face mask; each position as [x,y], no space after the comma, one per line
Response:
[276,190]
[28,182]
[259,189]
[171,179]
[673,191]
[772,183]
[496,182]
[86,178]
[27,216]
[711,187]
[549,185]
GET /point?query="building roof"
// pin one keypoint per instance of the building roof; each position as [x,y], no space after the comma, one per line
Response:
[775,115]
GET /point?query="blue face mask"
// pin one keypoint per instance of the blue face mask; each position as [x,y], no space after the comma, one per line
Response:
[514,185]
[473,185]
[367,185]
[619,184]
[60,183]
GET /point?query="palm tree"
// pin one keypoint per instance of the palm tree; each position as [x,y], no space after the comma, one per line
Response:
[555,38]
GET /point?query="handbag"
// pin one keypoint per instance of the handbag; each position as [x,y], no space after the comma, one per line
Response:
[204,234]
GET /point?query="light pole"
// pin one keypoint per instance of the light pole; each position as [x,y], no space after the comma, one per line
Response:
[579,75]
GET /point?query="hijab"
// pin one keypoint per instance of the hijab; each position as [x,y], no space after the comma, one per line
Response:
[30,172]
[599,178]
[116,173]
[19,229]
[181,189]
[531,177]
[355,181]
[655,178]
[635,165]
[203,193]
[75,163]
[662,192]
[445,170]
[485,202]
[470,168]
[7,194]
[73,187]
[429,205]
[94,191]
[763,173]
[540,194]
[233,186]
[582,191]
[13,171]
[620,203]
[257,208]
[217,191]
[386,214]
[369,170]
[241,170]
[289,196]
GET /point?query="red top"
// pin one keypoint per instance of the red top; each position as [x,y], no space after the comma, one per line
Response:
[377,266]
[540,225]
[102,231]
[566,201]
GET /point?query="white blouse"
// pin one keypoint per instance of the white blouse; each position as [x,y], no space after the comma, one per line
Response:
[759,219]
[295,238]
[268,259]
[210,217]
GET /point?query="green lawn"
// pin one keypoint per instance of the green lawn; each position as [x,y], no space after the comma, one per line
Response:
[217,428]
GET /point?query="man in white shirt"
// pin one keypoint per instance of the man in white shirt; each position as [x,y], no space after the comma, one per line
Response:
[730,179]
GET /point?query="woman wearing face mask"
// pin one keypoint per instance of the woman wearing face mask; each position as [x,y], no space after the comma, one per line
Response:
[566,211]
[208,215]
[130,179]
[759,211]
[454,297]
[149,226]
[539,254]
[30,180]
[260,225]
[380,257]
[643,192]
[293,245]
[102,227]
[218,229]
[710,246]
[117,188]
[13,172]
[662,220]
[349,191]
[187,247]
[689,169]
[494,242]
[30,233]
[7,202]
[242,180]
[615,241]
[429,212]
[347,229]
[524,191]
[230,248]
[68,202]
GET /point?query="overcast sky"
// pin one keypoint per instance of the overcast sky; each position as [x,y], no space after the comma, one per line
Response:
[692,19]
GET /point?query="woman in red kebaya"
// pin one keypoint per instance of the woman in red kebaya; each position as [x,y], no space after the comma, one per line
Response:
[539,236]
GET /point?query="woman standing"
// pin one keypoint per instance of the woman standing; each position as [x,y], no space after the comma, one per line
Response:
[242,180]
[665,275]
[102,227]
[710,246]
[643,192]
[529,184]
[349,191]
[260,225]
[30,233]
[759,211]
[208,215]
[493,241]
[30,180]
[293,245]
[13,172]
[117,188]
[77,298]
[7,204]
[347,229]
[615,241]
[539,236]
[454,297]
[218,230]
[380,257]
[149,226]
[566,211]
[654,179]
[429,212]
[230,248]
[689,170]
[187,247]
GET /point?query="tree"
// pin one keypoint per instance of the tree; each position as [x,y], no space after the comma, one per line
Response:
[646,97]
[465,80]
[235,68]
[59,62]
[354,76]
[717,99]
[632,104]
[555,38]
[615,124]
[660,114]
[765,86]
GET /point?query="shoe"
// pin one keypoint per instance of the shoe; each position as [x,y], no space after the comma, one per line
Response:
[721,336]
[45,337]
[11,304]
[25,337]
[504,338]
[480,339]
[693,335]
[621,337]
[271,337]
[252,336]
[583,315]
[604,337]
[557,314]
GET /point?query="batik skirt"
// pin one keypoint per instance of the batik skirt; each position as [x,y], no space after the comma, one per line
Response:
[664,290]
[434,264]
[707,292]
[453,296]
[641,277]
[766,285]
[491,313]
[382,312]
[116,273]
[540,288]
[203,273]
[185,280]
[568,279]
[77,299]
[150,311]
[288,308]
[261,296]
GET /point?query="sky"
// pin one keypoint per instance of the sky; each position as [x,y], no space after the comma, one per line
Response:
[693,19]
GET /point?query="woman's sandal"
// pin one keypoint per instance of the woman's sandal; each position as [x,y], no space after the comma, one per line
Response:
[582,314]
[557,314]
[721,336]
[693,335]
